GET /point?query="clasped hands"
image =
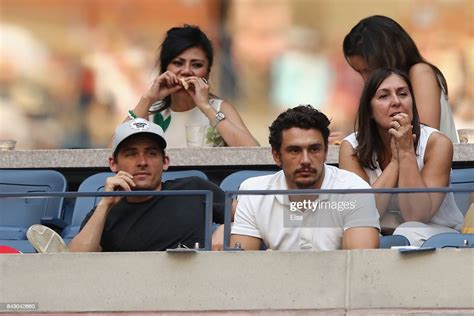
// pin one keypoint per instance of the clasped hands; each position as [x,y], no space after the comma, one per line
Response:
[168,83]
[402,139]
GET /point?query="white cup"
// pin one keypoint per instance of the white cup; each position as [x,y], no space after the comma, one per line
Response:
[466,135]
[195,135]
[7,144]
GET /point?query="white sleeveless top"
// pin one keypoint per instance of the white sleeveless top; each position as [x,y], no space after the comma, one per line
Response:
[448,214]
[446,120]
[175,134]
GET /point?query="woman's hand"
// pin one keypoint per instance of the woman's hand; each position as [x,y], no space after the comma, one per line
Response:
[394,150]
[402,132]
[199,92]
[163,85]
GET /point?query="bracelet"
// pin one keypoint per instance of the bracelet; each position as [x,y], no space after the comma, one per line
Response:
[132,115]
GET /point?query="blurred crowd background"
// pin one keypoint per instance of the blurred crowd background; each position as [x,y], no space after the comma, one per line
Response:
[70,69]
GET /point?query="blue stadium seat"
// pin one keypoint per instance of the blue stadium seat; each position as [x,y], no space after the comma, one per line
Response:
[463,178]
[450,240]
[17,214]
[232,181]
[386,242]
[95,183]
[21,245]
[171,175]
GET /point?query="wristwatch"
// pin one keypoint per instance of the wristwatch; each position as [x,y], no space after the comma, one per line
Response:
[218,118]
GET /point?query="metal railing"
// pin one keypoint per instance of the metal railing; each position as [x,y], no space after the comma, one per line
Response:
[207,193]
[228,200]
[230,194]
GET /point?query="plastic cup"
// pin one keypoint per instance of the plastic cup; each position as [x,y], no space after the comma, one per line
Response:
[7,144]
[466,135]
[195,135]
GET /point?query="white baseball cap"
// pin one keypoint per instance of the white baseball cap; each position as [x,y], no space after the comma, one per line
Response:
[137,126]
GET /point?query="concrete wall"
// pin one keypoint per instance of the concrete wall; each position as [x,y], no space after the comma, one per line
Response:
[180,157]
[232,281]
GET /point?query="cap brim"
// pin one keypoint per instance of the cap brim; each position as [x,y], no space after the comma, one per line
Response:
[161,141]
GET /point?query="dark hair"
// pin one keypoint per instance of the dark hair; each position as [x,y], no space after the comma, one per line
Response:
[177,40]
[302,116]
[368,137]
[383,43]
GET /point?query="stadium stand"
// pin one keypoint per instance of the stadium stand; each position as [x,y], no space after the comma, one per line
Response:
[17,214]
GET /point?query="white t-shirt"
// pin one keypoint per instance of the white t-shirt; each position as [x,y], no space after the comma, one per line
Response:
[448,214]
[285,225]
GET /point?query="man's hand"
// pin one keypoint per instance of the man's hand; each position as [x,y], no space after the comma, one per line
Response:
[122,181]
[246,242]
[360,238]
[218,239]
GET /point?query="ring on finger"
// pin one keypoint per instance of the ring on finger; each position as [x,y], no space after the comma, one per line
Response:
[205,81]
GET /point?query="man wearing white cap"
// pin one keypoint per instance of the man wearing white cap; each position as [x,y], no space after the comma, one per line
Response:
[145,223]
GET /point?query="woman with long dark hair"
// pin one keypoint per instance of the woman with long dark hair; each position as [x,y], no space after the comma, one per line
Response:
[180,95]
[391,149]
[380,42]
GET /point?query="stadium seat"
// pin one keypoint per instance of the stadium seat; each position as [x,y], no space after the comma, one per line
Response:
[17,214]
[450,240]
[23,246]
[232,181]
[95,183]
[387,242]
[463,178]
[171,175]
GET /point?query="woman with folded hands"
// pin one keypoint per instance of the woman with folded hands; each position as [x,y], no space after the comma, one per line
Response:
[392,149]
[380,42]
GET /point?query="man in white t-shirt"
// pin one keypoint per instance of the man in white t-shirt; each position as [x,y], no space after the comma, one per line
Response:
[299,141]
